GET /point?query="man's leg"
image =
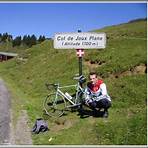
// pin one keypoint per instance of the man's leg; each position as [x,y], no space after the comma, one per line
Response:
[105,104]
[93,105]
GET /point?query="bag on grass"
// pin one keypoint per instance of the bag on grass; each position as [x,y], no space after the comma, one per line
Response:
[40,126]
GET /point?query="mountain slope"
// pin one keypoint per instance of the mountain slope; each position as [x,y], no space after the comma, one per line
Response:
[126,49]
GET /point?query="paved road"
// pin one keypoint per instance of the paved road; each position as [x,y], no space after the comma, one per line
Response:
[4,114]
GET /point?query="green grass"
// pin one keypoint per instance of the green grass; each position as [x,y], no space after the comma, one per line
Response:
[126,48]
[126,125]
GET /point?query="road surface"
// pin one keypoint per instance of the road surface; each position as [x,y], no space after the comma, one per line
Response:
[4,114]
[10,134]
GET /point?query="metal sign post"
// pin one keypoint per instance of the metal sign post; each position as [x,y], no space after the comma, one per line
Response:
[80,53]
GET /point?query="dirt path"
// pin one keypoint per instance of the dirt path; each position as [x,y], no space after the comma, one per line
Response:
[21,133]
[4,114]
[10,134]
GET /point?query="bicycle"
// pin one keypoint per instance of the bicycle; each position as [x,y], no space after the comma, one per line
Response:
[56,103]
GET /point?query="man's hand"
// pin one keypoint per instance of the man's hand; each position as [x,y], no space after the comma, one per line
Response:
[87,102]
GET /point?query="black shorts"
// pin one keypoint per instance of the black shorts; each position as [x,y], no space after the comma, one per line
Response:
[103,103]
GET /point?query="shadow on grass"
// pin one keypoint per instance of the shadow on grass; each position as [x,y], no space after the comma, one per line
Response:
[85,113]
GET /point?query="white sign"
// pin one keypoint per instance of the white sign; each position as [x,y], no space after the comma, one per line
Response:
[81,40]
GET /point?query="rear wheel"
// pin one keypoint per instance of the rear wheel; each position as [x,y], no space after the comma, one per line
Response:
[53,106]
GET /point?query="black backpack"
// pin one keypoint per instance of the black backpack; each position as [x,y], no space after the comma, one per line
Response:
[40,126]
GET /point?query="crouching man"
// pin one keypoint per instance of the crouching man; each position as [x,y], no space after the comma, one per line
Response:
[96,96]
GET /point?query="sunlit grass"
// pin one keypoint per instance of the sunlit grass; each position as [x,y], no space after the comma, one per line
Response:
[126,124]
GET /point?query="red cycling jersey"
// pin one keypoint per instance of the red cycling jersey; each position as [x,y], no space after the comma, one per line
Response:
[95,87]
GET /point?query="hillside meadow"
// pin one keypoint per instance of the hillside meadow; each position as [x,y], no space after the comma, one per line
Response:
[118,65]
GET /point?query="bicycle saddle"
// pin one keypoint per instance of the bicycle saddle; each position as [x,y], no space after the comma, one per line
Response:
[51,85]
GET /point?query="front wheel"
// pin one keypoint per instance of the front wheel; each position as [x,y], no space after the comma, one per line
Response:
[54,106]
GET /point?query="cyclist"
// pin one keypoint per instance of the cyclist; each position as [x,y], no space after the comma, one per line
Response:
[96,95]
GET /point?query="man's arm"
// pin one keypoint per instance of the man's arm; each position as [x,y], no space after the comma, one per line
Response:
[103,89]
[104,93]
[88,98]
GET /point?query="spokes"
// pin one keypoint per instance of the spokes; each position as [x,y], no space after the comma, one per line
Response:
[54,108]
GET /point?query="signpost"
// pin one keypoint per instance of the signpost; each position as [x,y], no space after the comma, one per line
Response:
[80,53]
[80,41]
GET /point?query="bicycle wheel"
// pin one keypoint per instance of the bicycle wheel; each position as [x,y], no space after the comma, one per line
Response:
[53,106]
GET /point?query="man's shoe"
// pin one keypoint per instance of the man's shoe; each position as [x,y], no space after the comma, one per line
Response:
[105,115]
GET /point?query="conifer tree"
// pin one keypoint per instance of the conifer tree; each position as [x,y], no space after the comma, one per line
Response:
[41,38]
[17,41]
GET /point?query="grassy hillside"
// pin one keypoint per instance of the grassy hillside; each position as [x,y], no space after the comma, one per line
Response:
[126,48]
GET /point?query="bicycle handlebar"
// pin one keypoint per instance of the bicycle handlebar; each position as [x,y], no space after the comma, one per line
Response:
[81,79]
[50,86]
[78,77]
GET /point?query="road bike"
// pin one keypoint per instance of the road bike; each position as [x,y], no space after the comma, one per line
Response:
[64,98]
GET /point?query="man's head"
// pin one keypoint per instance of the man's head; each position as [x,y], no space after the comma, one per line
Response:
[93,77]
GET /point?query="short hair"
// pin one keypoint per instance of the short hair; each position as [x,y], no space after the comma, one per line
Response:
[93,73]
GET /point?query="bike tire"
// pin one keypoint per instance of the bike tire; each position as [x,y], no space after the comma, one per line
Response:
[52,107]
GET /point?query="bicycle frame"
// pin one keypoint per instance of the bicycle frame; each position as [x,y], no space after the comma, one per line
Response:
[78,89]
[60,100]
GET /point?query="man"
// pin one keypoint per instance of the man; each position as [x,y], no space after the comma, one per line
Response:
[96,96]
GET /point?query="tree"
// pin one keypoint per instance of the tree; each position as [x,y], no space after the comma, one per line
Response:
[33,40]
[41,38]
[9,38]
[4,37]
[0,37]
[17,41]
[29,40]
[24,40]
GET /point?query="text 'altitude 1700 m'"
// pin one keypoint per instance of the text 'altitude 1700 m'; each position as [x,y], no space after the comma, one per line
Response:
[79,40]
